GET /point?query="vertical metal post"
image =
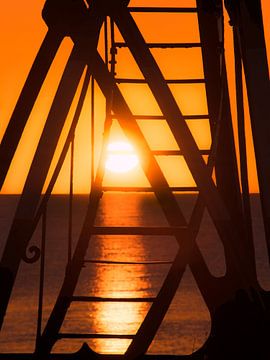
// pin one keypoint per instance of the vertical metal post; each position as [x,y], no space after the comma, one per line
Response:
[212,38]
[41,276]
[92,130]
[70,208]
[108,120]
[113,48]
[210,18]
[106,48]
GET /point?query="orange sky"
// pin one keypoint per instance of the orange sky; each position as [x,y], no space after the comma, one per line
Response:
[22,31]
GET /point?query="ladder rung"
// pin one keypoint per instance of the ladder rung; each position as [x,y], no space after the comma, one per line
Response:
[177,152]
[107,299]
[168,81]
[162,117]
[110,262]
[164,45]
[136,230]
[147,189]
[196,117]
[163,9]
[93,336]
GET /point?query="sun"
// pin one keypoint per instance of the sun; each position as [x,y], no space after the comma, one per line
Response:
[121,157]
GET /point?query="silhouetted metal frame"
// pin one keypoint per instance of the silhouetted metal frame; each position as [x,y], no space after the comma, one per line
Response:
[211,28]
[172,212]
[54,324]
[203,180]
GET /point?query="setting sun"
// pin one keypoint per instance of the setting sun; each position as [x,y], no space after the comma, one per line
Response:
[121,157]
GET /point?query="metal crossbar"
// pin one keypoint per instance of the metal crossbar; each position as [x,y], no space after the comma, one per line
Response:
[163,9]
[160,45]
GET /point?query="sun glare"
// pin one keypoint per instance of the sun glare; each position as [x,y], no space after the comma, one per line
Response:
[121,157]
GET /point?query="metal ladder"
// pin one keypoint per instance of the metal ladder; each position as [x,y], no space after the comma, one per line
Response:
[185,233]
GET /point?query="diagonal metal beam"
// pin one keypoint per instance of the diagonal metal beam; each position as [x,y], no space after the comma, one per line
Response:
[18,237]
[27,99]
[73,14]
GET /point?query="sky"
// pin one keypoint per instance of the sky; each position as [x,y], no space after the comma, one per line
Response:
[22,32]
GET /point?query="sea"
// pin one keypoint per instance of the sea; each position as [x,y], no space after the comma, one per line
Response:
[187,323]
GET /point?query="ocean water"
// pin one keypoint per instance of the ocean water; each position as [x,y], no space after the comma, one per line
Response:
[186,325]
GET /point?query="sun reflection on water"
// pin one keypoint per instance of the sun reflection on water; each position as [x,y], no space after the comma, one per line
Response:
[110,317]
[118,318]
[186,325]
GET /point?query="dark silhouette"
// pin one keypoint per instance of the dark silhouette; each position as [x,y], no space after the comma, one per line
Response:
[238,307]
